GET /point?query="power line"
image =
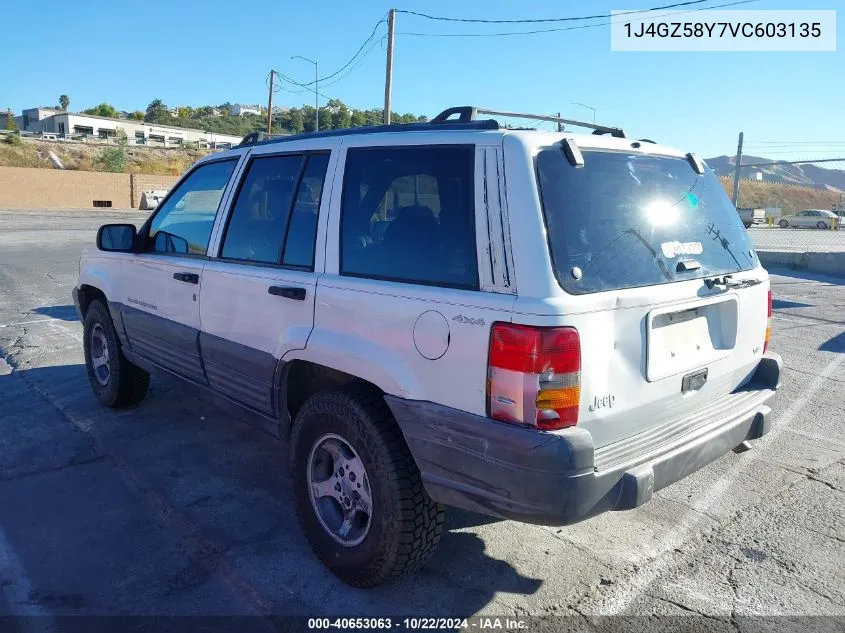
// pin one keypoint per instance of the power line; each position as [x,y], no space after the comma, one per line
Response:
[357,64]
[541,20]
[351,59]
[793,151]
[796,162]
[284,77]
[796,143]
[571,28]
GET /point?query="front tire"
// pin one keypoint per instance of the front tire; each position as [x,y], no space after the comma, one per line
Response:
[357,491]
[783,224]
[821,225]
[116,381]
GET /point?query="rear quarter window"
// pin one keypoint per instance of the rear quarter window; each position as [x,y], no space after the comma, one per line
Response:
[626,220]
[408,215]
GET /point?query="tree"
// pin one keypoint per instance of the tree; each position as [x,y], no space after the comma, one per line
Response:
[157,112]
[308,118]
[64,102]
[11,124]
[358,119]
[341,118]
[137,115]
[104,109]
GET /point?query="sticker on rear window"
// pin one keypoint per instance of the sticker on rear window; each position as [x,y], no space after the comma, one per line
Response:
[673,249]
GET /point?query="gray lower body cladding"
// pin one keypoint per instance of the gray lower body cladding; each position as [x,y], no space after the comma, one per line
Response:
[482,465]
[168,343]
[232,373]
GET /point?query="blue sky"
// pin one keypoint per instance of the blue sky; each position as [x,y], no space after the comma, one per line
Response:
[191,53]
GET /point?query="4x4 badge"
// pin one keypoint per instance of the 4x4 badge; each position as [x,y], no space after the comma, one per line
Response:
[462,319]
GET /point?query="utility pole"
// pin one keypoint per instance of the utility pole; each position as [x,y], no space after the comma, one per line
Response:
[270,102]
[559,124]
[316,98]
[388,80]
[737,168]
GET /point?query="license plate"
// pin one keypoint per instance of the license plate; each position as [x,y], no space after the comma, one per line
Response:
[694,381]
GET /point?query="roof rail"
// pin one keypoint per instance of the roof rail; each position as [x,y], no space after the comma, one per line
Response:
[470,113]
[255,137]
[252,139]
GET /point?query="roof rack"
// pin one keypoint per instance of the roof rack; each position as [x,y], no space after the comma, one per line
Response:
[467,114]
[467,120]
[253,139]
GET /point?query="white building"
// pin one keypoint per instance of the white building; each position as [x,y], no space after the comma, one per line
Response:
[69,125]
[240,109]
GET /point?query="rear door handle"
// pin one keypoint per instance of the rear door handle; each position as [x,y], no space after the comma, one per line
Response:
[288,292]
[188,278]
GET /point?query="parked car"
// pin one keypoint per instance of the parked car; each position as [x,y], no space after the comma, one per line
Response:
[541,326]
[810,219]
[750,217]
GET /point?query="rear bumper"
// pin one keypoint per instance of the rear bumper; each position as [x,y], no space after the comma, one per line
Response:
[476,463]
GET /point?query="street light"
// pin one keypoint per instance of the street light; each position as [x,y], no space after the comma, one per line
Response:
[589,107]
[316,91]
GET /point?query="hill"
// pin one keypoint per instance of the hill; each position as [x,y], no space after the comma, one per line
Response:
[84,157]
[789,198]
[808,174]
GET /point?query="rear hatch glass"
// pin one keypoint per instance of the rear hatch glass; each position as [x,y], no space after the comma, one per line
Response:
[626,220]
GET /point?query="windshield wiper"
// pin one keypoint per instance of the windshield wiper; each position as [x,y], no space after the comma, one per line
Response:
[729,282]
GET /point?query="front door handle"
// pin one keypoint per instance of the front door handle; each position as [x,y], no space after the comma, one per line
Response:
[288,292]
[188,278]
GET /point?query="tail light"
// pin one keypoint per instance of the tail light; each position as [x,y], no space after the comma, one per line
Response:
[534,375]
[768,324]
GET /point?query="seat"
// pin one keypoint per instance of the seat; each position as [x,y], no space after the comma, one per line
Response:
[413,243]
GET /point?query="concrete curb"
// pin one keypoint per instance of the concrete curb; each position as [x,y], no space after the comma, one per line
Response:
[832,264]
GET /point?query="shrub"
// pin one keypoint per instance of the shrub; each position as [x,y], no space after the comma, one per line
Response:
[113,159]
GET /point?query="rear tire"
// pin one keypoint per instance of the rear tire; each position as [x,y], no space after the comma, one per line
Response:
[116,381]
[783,224]
[403,526]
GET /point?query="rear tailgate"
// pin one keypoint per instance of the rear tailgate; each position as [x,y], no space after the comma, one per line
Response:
[660,280]
[637,355]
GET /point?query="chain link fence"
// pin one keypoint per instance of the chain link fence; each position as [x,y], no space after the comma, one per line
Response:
[782,214]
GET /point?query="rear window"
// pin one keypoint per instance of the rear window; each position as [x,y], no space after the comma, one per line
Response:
[627,220]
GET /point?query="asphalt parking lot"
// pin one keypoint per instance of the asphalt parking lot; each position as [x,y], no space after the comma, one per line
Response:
[171,508]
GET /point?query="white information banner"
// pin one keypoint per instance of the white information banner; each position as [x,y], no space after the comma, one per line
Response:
[723,30]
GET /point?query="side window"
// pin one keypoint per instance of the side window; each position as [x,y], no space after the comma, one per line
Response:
[183,223]
[259,218]
[408,214]
[302,232]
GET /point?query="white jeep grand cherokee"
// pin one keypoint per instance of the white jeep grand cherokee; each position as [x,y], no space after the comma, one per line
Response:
[537,326]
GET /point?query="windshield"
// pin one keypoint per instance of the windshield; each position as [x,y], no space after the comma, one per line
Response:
[628,220]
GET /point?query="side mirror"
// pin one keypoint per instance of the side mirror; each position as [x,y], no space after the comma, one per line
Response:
[117,238]
[168,243]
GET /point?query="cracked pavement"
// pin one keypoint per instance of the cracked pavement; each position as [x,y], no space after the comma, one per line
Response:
[174,508]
